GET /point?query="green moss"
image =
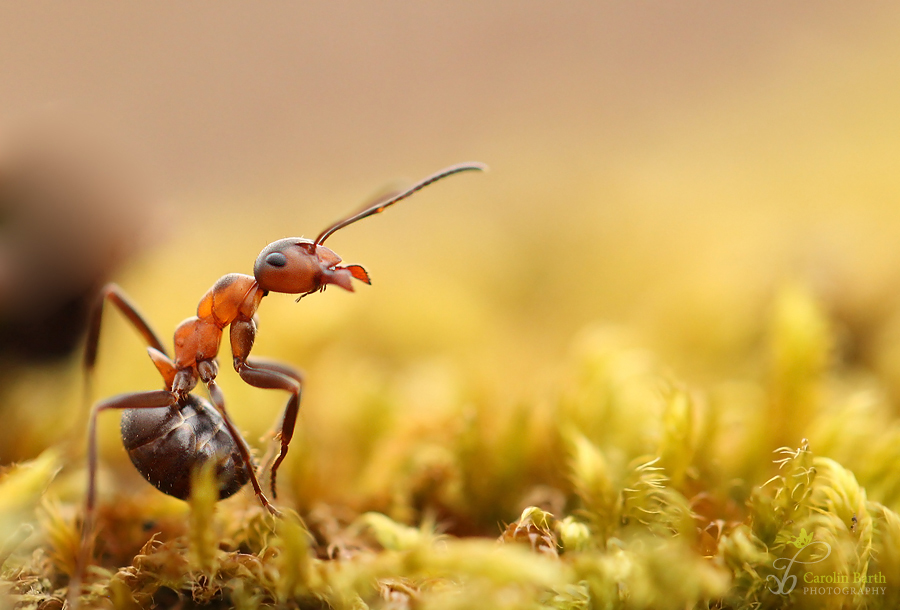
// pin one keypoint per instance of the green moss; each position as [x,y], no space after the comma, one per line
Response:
[622,487]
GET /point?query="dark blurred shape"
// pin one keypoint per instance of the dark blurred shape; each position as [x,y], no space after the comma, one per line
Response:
[70,213]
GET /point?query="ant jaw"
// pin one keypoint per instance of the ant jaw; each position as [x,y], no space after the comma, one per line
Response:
[359,273]
[339,276]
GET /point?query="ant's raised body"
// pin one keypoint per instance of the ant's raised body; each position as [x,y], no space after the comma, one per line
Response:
[170,432]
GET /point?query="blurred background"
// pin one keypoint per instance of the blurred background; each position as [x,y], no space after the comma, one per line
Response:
[659,173]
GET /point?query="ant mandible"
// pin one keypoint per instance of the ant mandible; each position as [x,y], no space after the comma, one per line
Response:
[169,432]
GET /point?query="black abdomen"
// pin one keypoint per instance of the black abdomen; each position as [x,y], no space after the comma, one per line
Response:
[168,443]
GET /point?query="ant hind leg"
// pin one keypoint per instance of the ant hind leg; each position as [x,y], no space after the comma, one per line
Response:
[135,400]
[116,296]
[218,399]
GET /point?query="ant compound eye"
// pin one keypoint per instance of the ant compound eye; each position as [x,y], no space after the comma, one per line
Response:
[276,259]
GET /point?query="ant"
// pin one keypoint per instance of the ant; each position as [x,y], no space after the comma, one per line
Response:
[168,433]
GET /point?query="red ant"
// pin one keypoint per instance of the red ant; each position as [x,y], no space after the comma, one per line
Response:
[169,432]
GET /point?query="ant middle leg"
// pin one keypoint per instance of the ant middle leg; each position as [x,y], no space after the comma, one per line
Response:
[218,400]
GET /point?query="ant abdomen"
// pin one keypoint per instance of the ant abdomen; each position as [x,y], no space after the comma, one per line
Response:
[167,444]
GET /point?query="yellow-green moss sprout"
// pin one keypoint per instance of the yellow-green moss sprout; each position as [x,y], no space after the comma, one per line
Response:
[623,488]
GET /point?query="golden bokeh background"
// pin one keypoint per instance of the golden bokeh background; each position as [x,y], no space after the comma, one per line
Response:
[659,173]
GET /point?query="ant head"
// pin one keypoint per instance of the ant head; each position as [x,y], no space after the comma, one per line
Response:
[300,266]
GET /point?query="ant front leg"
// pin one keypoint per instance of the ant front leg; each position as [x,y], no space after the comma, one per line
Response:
[265,374]
[207,370]
[135,400]
[269,376]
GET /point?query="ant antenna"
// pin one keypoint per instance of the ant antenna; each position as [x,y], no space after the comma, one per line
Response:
[382,206]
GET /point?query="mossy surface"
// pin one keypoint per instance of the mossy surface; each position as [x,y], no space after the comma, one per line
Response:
[622,488]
